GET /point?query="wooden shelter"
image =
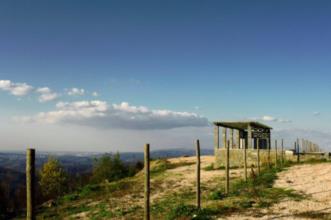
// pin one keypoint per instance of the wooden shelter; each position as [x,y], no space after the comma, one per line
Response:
[250,131]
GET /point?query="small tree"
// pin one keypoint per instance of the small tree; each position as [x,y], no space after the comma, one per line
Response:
[109,167]
[53,179]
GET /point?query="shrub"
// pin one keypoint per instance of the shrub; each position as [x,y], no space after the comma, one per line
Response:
[217,195]
[53,179]
[110,168]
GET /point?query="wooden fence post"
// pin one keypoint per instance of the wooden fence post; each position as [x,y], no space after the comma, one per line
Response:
[227,169]
[243,144]
[298,149]
[30,187]
[276,149]
[295,149]
[282,160]
[198,175]
[269,148]
[147,182]
[258,156]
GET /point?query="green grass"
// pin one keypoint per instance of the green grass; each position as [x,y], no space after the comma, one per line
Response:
[191,212]
[212,167]
[259,189]
[257,192]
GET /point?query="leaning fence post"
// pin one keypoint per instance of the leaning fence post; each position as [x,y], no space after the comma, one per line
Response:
[258,155]
[227,169]
[243,144]
[30,188]
[198,175]
[147,182]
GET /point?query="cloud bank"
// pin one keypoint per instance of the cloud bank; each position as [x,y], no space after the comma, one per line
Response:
[100,114]
[16,89]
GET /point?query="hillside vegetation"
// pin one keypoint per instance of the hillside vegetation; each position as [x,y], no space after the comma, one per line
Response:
[173,195]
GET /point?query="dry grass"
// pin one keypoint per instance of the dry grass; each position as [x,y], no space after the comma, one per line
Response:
[173,184]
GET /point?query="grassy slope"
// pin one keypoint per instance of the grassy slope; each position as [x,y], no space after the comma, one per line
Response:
[170,199]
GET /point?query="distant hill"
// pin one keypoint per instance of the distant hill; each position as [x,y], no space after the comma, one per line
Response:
[83,162]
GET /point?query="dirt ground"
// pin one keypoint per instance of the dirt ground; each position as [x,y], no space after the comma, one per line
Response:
[184,177]
[314,181]
[311,180]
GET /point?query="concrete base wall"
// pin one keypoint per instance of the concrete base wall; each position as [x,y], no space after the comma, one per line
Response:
[237,157]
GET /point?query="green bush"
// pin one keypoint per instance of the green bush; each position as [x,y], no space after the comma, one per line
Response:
[217,195]
[53,179]
[110,168]
[209,167]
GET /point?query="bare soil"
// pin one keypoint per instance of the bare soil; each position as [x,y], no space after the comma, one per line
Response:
[314,181]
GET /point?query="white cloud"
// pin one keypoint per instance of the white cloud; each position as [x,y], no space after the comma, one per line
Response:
[284,120]
[268,118]
[76,92]
[46,94]
[16,89]
[316,113]
[100,114]
[95,94]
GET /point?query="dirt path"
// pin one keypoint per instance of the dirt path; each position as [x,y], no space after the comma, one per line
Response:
[311,180]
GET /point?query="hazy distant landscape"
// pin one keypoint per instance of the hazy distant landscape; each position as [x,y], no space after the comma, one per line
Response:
[80,162]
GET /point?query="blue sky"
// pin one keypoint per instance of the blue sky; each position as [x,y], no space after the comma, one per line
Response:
[222,60]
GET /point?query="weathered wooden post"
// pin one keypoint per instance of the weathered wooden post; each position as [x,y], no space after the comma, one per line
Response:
[147,182]
[298,153]
[258,156]
[216,138]
[249,137]
[231,138]
[295,149]
[276,149]
[282,159]
[198,174]
[238,139]
[30,187]
[224,136]
[269,148]
[243,144]
[227,169]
